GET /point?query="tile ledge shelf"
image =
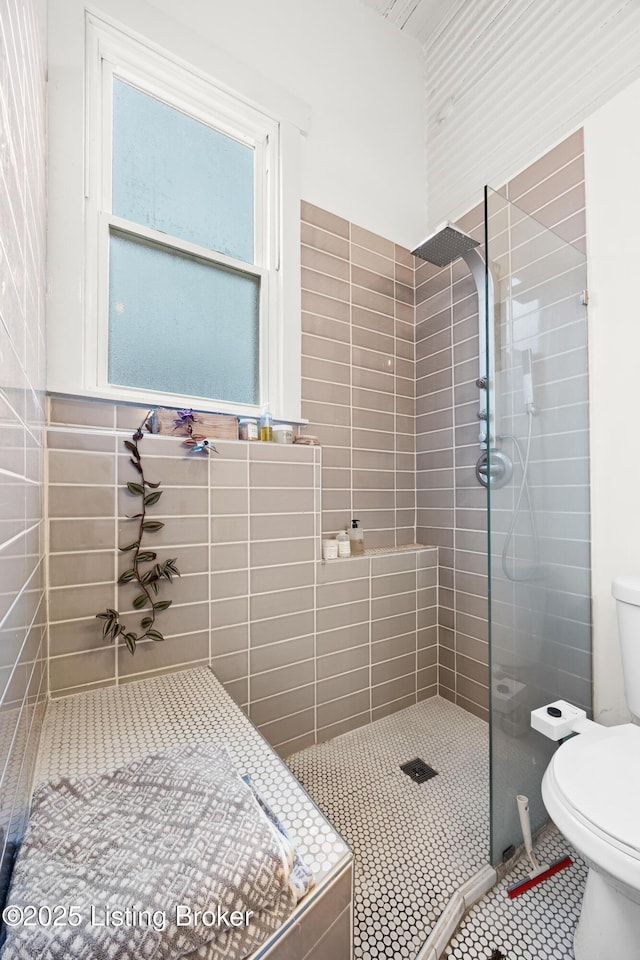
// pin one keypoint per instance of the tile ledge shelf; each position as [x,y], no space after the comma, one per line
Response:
[383,552]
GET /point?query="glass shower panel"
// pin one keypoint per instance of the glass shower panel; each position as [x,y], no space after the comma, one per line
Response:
[539,550]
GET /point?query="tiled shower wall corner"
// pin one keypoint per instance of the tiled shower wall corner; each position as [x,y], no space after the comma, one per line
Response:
[358,375]
[451,506]
[22,372]
[310,657]
[309,649]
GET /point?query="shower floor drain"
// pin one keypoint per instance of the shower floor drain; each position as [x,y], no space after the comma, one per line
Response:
[418,770]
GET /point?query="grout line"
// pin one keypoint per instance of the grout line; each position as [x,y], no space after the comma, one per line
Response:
[91,650]
[416,627]
[118,643]
[317,525]
[46,546]
[18,476]
[370,637]
[317,226]
[351,383]
[249,572]
[325,253]
[22,533]
[27,632]
[395,410]
[209,554]
[132,612]
[288,716]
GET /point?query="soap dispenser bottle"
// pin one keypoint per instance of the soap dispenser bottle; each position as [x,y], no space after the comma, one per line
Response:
[356,538]
[266,423]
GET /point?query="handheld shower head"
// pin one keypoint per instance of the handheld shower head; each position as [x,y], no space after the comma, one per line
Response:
[445,245]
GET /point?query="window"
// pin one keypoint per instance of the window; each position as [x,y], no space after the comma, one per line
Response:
[184,284]
[191,291]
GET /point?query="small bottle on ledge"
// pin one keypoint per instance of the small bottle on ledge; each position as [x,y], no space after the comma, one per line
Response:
[344,544]
[266,424]
[356,537]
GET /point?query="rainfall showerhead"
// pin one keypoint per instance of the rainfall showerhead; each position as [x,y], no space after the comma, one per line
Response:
[442,247]
[445,245]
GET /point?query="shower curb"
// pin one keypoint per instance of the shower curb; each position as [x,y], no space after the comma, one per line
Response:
[465,896]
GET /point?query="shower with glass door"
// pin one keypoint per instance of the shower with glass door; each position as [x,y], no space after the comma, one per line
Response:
[533,461]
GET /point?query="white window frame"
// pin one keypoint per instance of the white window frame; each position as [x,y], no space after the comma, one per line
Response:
[111,52]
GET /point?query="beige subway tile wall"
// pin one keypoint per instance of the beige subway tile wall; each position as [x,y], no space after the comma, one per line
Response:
[311,650]
[306,648]
[358,370]
[22,375]
[451,505]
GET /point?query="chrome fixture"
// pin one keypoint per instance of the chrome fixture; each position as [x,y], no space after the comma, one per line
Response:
[449,243]
[445,245]
[495,468]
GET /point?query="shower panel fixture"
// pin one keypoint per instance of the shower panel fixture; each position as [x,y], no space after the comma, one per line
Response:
[446,244]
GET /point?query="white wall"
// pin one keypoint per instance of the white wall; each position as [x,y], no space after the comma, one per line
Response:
[612,158]
[346,86]
[363,80]
[351,79]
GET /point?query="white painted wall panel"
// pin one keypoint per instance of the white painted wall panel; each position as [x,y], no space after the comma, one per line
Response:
[354,84]
[507,79]
[363,157]
[612,162]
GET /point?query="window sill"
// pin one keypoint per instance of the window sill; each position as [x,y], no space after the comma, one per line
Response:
[152,403]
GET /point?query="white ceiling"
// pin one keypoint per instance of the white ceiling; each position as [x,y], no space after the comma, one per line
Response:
[422,19]
[507,79]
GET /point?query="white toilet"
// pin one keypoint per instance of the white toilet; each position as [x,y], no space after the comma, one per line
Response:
[591,790]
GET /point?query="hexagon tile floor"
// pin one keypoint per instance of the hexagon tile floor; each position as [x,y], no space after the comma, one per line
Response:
[537,925]
[414,844]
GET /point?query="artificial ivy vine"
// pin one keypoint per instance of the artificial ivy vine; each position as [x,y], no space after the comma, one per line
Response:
[147,580]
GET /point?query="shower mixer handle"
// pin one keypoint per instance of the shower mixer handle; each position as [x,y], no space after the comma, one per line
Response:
[494,467]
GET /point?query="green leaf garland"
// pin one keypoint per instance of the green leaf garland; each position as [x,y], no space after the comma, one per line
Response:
[148,580]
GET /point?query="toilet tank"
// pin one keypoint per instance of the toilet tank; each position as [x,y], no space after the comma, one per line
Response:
[626,591]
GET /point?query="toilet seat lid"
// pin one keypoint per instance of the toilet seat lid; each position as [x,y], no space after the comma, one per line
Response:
[599,775]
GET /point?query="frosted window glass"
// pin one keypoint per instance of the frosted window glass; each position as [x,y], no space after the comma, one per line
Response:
[177,175]
[180,325]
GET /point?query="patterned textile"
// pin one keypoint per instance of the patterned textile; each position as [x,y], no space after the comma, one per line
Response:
[140,851]
[299,876]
